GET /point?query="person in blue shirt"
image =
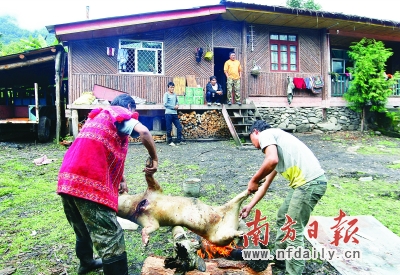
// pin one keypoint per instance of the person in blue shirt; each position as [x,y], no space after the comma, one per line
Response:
[171,115]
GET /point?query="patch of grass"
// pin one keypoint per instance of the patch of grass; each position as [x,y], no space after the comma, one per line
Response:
[394,166]
[378,150]
[388,143]
[361,198]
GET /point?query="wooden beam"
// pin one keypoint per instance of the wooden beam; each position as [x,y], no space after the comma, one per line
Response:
[59,68]
[27,63]
[362,35]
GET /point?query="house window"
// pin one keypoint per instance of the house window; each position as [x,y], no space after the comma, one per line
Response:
[284,52]
[340,61]
[140,57]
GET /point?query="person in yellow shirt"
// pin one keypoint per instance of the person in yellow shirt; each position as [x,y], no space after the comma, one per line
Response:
[232,70]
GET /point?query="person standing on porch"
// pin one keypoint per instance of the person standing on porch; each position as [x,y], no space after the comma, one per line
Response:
[232,70]
[171,115]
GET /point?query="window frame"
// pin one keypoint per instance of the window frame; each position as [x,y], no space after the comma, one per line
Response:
[286,43]
[141,48]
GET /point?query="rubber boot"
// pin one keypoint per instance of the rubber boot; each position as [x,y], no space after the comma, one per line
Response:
[84,252]
[117,265]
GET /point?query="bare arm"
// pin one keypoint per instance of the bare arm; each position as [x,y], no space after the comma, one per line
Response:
[258,195]
[270,161]
[148,142]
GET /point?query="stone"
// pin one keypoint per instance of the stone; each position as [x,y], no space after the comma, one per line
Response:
[326,126]
[333,120]
[314,120]
[303,128]
[282,126]
[365,179]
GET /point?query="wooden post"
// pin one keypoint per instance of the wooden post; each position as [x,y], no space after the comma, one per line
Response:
[75,122]
[58,82]
[243,85]
[326,64]
[37,101]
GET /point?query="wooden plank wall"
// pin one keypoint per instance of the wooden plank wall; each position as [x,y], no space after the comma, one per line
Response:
[275,83]
[151,88]
[90,65]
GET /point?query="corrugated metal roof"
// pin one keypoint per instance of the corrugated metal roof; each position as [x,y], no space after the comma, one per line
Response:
[150,20]
[339,25]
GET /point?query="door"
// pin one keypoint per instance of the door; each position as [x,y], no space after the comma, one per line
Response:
[221,55]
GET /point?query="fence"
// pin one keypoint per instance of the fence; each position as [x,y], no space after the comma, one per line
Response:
[340,85]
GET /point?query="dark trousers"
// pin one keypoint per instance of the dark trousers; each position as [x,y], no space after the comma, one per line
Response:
[169,119]
[94,224]
[213,97]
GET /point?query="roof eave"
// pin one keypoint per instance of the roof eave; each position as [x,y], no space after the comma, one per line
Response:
[106,23]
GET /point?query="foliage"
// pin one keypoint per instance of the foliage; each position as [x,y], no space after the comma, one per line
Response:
[335,76]
[16,40]
[370,85]
[303,4]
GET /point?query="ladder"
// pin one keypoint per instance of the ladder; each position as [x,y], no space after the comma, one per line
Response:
[239,120]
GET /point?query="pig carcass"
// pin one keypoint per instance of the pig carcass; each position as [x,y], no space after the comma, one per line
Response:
[152,209]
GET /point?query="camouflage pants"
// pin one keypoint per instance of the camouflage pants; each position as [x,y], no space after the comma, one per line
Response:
[235,84]
[298,204]
[95,222]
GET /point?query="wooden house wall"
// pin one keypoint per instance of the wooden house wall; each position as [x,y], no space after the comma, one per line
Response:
[270,83]
[89,63]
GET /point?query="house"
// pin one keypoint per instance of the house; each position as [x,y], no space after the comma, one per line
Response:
[284,42]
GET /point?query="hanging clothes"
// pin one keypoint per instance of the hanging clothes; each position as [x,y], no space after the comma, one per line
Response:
[299,83]
[122,59]
[308,81]
[290,88]
[317,84]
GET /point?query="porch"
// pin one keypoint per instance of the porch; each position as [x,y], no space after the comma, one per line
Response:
[340,85]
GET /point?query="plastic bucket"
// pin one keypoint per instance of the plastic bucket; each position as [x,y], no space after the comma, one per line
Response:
[191,187]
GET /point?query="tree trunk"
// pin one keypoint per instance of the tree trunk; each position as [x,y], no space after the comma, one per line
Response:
[362,119]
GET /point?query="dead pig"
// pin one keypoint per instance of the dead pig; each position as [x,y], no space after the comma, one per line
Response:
[217,224]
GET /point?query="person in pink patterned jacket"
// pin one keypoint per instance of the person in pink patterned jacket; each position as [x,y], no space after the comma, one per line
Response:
[90,178]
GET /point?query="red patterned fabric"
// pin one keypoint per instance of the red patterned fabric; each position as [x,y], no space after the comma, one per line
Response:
[299,83]
[94,164]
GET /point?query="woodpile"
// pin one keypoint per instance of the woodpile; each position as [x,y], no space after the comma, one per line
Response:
[210,124]
[154,265]
[155,138]
[207,125]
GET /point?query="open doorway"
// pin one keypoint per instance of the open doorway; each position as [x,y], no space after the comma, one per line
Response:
[221,55]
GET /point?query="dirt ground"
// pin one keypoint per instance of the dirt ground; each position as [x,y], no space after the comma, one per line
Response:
[229,168]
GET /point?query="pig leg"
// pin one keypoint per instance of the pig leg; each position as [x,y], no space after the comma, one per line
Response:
[228,227]
[152,184]
[150,227]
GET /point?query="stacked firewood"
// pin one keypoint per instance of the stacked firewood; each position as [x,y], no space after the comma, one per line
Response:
[156,139]
[210,124]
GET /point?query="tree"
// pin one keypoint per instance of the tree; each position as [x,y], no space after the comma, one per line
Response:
[16,40]
[23,45]
[371,86]
[303,4]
